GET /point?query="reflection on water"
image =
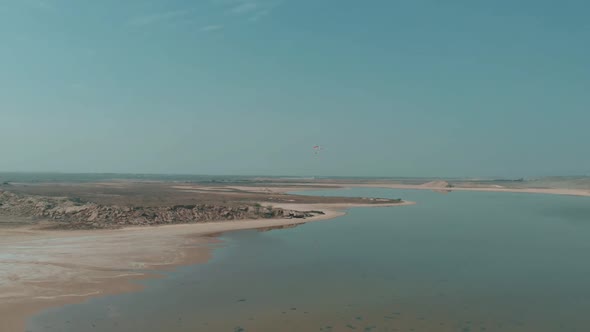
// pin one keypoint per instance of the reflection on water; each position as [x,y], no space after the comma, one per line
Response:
[464,262]
[272,228]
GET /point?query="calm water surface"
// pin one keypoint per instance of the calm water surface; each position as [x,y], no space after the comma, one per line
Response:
[462,261]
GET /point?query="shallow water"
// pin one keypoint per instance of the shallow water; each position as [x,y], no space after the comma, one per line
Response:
[463,261]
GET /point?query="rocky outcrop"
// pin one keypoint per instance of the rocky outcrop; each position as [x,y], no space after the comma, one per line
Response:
[76,214]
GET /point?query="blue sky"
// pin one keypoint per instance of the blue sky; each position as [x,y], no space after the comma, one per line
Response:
[389,88]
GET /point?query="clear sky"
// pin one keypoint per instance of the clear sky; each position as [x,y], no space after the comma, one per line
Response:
[389,88]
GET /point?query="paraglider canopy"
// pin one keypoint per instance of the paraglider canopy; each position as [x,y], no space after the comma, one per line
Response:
[317,149]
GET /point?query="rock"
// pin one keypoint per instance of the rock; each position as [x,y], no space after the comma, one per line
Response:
[75,215]
[93,216]
[74,209]
[296,214]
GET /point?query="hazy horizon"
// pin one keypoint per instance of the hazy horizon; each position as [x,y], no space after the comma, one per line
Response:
[248,87]
[84,176]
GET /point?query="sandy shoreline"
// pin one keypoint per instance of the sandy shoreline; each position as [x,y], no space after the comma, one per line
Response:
[42,269]
[547,191]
